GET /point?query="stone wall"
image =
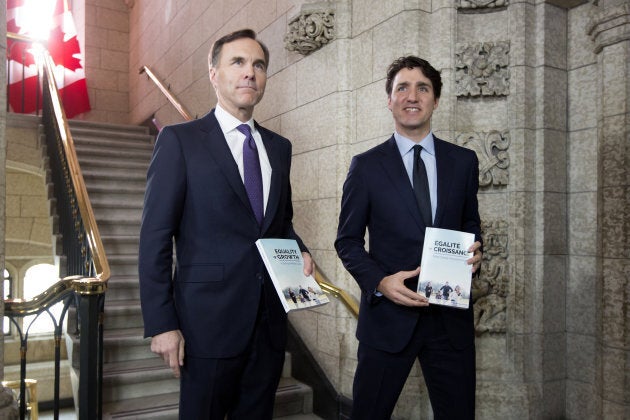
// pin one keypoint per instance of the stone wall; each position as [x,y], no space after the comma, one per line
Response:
[538,89]
[28,230]
[103,26]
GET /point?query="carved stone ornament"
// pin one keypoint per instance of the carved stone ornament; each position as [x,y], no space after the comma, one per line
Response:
[481,69]
[492,150]
[310,30]
[480,4]
[490,289]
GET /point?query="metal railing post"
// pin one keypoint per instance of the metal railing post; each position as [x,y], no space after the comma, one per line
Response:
[92,296]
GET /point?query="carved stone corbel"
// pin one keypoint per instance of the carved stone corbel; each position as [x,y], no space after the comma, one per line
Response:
[480,4]
[481,69]
[313,28]
[492,150]
[610,26]
[490,289]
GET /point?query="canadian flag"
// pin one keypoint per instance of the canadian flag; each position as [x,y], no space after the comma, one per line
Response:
[63,47]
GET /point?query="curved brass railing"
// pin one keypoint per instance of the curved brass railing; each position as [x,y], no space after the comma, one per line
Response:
[321,279]
[55,293]
[93,236]
[171,98]
[101,265]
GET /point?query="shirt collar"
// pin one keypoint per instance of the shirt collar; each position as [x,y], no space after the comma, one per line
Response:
[229,122]
[405,145]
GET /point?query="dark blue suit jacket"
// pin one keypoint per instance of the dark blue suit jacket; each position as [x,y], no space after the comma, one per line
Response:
[378,195]
[195,195]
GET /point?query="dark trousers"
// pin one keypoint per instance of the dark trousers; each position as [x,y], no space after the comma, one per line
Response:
[242,387]
[449,374]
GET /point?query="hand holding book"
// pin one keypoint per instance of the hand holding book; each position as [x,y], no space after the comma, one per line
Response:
[446,275]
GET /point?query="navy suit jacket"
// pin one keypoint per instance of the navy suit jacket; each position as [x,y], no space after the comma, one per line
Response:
[196,195]
[378,195]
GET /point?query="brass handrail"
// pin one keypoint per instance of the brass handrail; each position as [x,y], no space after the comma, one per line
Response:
[79,284]
[178,105]
[328,287]
[101,265]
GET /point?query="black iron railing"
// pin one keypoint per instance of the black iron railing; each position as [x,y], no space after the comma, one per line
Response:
[85,266]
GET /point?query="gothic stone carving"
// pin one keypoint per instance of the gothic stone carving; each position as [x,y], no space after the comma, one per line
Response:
[310,30]
[480,4]
[490,289]
[492,150]
[481,69]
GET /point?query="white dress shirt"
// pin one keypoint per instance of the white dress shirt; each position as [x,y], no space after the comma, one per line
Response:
[235,140]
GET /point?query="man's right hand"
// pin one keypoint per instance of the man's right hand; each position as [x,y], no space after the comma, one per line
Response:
[170,346]
[393,288]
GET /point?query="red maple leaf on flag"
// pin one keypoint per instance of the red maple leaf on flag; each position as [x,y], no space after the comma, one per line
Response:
[63,52]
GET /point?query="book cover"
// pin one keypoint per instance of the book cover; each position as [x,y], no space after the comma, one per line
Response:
[284,262]
[445,278]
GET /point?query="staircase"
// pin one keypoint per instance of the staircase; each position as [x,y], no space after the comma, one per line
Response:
[136,383]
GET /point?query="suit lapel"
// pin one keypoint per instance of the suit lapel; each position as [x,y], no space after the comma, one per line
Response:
[394,167]
[443,161]
[215,141]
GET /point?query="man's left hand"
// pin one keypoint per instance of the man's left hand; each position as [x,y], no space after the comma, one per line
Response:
[309,264]
[476,258]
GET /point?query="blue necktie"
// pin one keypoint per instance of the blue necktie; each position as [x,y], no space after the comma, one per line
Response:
[251,173]
[421,186]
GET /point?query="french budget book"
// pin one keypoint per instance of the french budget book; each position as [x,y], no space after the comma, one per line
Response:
[445,278]
[284,262]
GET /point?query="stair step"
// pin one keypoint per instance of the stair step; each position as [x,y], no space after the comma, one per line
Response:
[95,162]
[122,212]
[113,227]
[162,407]
[122,314]
[113,139]
[109,173]
[121,244]
[137,378]
[126,344]
[117,153]
[292,397]
[123,287]
[104,126]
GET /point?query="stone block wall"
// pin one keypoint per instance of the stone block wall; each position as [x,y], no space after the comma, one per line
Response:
[104,25]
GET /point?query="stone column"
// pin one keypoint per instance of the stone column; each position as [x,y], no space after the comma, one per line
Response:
[610,32]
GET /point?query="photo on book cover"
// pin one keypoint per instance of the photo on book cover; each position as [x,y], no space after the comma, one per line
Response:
[284,262]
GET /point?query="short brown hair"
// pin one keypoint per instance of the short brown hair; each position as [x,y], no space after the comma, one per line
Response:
[412,62]
[240,34]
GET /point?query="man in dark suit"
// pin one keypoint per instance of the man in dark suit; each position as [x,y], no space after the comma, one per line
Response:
[215,185]
[383,193]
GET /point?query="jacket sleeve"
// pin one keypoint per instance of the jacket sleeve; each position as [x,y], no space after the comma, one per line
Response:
[353,221]
[163,204]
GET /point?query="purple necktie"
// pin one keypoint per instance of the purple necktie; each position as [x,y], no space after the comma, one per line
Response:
[251,172]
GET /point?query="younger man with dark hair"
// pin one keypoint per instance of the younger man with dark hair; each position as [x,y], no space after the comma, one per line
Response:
[395,190]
